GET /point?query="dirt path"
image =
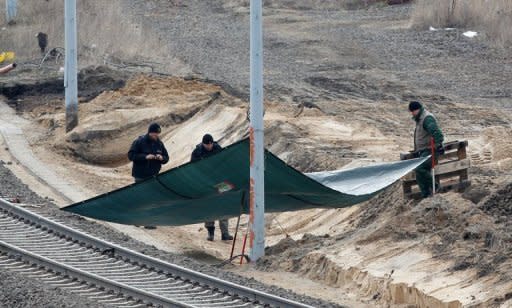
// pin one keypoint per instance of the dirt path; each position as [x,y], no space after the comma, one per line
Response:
[11,129]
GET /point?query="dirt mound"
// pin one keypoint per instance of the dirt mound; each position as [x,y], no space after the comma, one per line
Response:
[92,81]
[454,232]
[499,205]
[109,123]
[389,202]
[187,109]
[451,227]
[288,253]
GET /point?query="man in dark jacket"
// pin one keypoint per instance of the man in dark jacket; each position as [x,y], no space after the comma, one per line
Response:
[148,154]
[426,129]
[42,40]
[207,148]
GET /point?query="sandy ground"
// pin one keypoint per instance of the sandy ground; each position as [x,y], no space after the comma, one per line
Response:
[337,86]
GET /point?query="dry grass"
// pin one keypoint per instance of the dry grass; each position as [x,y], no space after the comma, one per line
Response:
[104,31]
[308,4]
[493,17]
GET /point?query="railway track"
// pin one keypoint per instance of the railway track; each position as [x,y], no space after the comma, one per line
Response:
[60,256]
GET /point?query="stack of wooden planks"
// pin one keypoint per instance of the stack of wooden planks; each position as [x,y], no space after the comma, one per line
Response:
[452,170]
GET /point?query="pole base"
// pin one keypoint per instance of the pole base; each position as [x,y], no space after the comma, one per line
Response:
[71,119]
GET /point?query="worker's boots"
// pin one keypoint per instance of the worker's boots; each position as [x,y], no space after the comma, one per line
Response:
[211,234]
[227,237]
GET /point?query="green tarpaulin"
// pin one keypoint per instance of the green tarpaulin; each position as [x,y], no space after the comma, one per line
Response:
[216,188]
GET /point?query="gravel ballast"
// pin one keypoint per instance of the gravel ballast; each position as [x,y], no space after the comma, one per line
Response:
[18,291]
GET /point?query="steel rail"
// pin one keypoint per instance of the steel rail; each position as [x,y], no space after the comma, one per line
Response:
[102,248]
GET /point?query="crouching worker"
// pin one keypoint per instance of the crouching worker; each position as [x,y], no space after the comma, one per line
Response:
[148,154]
[207,148]
[426,129]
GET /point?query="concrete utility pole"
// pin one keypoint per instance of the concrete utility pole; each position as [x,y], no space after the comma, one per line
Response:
[10,10]
[257,150]
[71,72]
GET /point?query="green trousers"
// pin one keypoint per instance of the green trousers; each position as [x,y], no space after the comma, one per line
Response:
[424,175]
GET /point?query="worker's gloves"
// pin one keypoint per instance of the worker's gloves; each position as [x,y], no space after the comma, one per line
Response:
[154,157]
[440,149]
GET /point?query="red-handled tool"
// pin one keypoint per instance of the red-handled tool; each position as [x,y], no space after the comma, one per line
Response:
[433,158]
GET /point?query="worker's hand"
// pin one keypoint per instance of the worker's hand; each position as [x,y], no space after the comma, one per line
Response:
[440,149]
[159,157]
[150,157]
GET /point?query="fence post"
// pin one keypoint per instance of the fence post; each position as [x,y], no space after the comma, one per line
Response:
[10,10]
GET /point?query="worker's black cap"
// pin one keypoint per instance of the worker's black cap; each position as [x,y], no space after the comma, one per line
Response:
[154,128]
[207,139]
[414,106]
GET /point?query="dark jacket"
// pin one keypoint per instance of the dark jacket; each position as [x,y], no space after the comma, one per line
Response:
[201,153]
[141,147]
[426,128]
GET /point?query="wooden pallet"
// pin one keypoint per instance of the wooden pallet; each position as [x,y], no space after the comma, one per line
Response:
[452,170]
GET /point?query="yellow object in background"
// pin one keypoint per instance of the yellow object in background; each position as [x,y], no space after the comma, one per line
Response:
[7,56]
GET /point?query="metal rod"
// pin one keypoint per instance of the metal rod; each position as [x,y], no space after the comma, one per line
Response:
[242,204]
[257,152]
[70,72]
[234,238]
[243,248]
[433,158]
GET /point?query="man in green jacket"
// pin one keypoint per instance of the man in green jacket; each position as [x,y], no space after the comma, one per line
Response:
[426,129]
